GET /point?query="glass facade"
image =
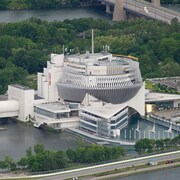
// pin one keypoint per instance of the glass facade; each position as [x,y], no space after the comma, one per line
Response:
[121,122]
[104,126]
[61,115]
[50,114]
[164,105]
[88,126]
[45,112]
[73,106]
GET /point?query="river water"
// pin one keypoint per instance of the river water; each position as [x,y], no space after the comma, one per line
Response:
[18,137]
[166,174]
[50,15]
[173,7]
[62,14]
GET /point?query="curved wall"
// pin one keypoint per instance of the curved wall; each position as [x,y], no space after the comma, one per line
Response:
[113,89]
[9,108]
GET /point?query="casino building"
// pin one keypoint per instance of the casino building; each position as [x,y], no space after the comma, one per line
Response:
[96,93]
[105,90]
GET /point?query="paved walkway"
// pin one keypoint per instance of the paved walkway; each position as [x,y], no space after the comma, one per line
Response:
[131,172]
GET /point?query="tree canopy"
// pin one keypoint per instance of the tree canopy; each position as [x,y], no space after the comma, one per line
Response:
[44,160]
[25,46]
[151,145]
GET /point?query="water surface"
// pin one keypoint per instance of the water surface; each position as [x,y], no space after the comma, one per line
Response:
[18,137]
[50,15]
[165,174]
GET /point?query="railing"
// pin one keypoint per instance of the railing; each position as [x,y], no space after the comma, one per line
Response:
[148,9]
[151,155]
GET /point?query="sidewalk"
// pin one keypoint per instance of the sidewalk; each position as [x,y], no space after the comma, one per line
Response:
[132,172]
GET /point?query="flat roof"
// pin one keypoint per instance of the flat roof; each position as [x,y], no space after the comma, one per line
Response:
[36,97]
[98,59]
[173,82]
[19,86]
[168,114]
[54,107]
[106,111]
[155,97]
[3,97]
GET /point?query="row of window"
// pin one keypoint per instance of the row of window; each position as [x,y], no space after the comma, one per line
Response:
[88,113]
[88,126]
[76,67]
[119,124]
[119,111]
[73,106]
[62,115]
[44,112]
[51,114]
[119,119]
[89,120]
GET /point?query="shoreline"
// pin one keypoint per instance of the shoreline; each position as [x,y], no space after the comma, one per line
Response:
[45,9]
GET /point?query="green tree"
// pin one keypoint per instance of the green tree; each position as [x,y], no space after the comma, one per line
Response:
[3,165]
[9,163]
[166,70]
[4,4]
[29,151]
[61,159]
[144,145]
[39,148]
[17,4]
[23,162]
[71,155]
[159,143]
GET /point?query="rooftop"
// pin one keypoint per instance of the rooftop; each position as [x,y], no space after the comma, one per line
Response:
[3,97]
[154,97]
[98,59]
[173,82]
[106,111]
[54,107]
[168,114]
[20,87]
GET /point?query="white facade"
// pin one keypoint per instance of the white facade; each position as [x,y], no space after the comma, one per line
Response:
[56,115]
[47,81]
[92,72]
[9,108]
[25,98]
[109,116]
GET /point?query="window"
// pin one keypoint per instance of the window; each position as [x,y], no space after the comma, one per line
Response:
[62,115]
[44,112]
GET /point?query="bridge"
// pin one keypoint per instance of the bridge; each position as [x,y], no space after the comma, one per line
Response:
[124,9]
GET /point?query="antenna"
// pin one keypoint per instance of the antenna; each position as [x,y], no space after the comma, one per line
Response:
[92,41]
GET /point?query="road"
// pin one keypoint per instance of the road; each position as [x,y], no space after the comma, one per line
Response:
[110,166]
[147,9]
[151,11]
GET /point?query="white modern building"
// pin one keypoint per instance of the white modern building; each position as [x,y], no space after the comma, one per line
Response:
[94,92]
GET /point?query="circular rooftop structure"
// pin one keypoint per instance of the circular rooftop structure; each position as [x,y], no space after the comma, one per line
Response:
[107,78]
